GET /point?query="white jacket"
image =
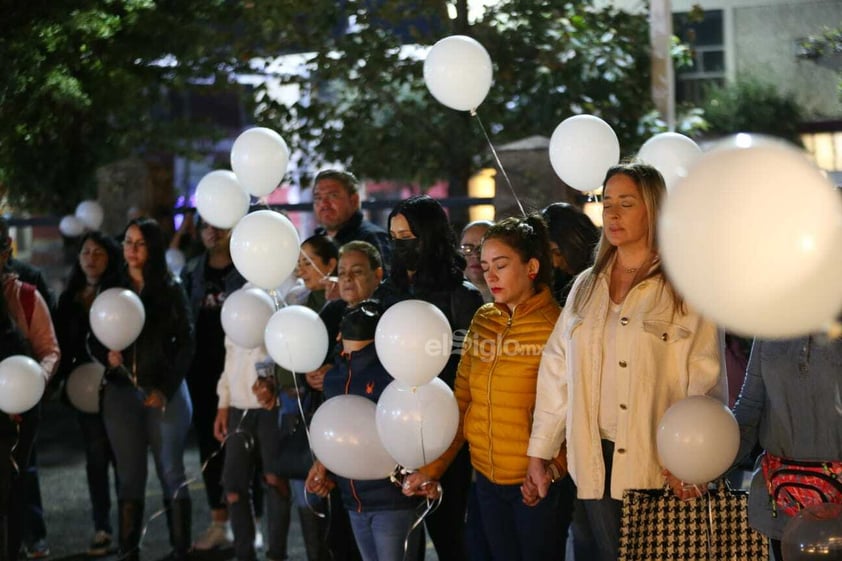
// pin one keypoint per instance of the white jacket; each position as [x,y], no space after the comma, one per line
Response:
[662,358]
[238,376]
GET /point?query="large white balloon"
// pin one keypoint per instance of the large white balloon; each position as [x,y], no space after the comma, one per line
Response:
[245,313]
[458,72]
[670,153]
[71,226]
[417,424]
[698,439]
[117,317]
[22,384]
[296,338]
[83,386]
[751,239]
[343,435]
[90,213]
[264,248]
[220,199]
[582,148]
[259,158]
[413,341]
[175,260]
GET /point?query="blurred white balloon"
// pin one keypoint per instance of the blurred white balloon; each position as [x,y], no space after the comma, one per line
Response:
[175,260]
[582,148]
[220,199]
[343,435]
[22,384]
[698,439]
[670,153]
[264,248]
[413,341]
[71,227]
[296,338]
[751,239]
[90,213]
[117,317]
[417,425]
[245,313]
[83,386]
[458,72]
[259,158]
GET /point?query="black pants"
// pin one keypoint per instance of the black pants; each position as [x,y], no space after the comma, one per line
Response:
[12,490]
[446,525]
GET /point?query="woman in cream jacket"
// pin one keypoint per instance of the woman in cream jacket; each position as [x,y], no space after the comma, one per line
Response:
[625,348]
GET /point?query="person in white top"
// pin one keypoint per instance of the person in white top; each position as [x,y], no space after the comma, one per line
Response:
[625,348]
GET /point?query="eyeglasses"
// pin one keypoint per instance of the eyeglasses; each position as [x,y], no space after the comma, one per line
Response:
[138,244]
[467,249]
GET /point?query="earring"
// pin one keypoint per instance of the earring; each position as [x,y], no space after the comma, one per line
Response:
[532,276]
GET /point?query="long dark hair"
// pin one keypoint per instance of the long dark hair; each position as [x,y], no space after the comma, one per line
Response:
[440,265]
[110,277]
[156,275]
[574,233]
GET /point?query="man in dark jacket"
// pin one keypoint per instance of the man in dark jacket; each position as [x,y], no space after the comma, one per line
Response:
[336,204]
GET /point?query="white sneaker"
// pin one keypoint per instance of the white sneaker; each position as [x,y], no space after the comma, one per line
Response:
[258,535]
[218,535]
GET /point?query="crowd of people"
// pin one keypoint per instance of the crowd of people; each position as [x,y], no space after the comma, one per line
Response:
[569,345]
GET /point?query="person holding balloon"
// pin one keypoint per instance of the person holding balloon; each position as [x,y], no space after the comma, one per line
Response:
[426,265]
[381,516]
[789,404]
[145,402]
[97,268]
[495,390]
[26,330]
[625,348]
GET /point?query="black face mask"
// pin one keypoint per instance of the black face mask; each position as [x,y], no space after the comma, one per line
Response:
[406,252]
[359,323]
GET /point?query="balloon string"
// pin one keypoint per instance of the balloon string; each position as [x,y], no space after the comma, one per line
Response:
[421,429]
[325,276]
[15,466]
[499,163]
[431,506]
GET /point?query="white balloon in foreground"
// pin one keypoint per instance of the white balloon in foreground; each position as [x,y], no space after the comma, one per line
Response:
[245,313]
[458,72]
[259,158]
[582,148]
[220,199]
[22,384]
[117,317]
[83,386]
[670,153]
[296,338]
[265,248]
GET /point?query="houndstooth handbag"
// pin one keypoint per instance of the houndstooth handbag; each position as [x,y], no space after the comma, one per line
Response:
[657,526]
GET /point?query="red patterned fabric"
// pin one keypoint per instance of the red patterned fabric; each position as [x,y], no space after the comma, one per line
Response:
[797,484]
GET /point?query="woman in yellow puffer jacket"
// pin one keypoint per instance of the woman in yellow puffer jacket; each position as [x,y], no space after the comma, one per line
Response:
[495,389]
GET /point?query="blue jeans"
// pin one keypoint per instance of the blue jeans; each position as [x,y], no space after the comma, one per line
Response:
[380,534]
[133,429]
[98,459]
[514,531]
[596,530]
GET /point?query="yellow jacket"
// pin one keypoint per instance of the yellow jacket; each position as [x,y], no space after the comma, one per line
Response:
[495,387]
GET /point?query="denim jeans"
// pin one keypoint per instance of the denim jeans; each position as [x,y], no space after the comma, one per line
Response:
[514,531]
[598,531]
[98,459]
[380,534]
[134,428]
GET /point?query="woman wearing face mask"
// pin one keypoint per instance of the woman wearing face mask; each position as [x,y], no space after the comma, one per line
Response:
[427,266]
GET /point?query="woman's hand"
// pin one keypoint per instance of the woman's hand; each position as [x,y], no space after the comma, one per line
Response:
[684,491]
[220,424]
[115,359]
[266,392]
[420,484]
[318,482]
[155,399]
[316,378]
[537,482]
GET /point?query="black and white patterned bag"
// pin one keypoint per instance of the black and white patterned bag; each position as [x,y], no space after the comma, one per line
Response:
[657,526]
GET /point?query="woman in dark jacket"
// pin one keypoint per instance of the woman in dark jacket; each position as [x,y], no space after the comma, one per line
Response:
[427,266]
[97,268]
[145,403]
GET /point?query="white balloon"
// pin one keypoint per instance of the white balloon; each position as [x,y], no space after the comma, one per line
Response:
[417,424]
[22,384]
[670,153]
[90,214]
[175,260]
[343,435]
[458,72]
[582,148]
[264,248]
[117,317]
[296,338]
[413,340]
[71,226]
[698,439]
[259,158]
[751,239]
[83,386]
[220,199]
[245,313]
